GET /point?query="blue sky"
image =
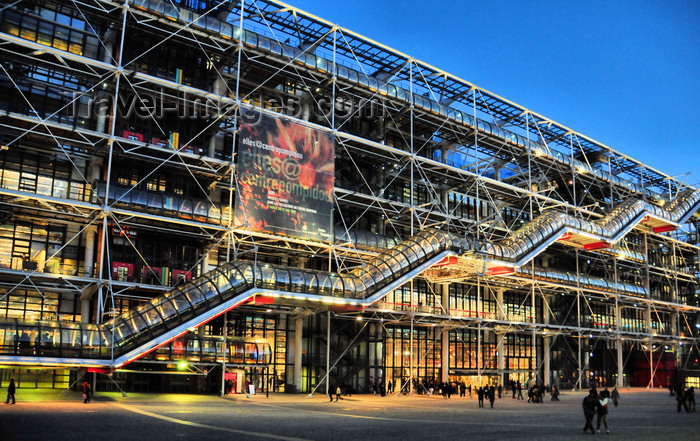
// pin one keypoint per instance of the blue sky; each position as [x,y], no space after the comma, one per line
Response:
[625,73]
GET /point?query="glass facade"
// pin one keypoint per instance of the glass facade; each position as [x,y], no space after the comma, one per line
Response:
[461,248]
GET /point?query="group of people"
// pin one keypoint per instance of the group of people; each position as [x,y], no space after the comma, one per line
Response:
[339,390]
[12,389]
[596,404]
[489,392]
[685,399]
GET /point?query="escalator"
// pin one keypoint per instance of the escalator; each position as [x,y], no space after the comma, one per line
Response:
[503,257]
[141,330]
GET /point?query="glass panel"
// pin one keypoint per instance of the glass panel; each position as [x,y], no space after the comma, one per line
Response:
[353,287]
[283,279]
[139,198]
[310,282]
[325,285]
[92,340]
[208,350]
[251,353]
[267,277]
[186,207]
[377,275]
[397,266]
[383,268]
[210,292]
[237,352]
[368,280]
[264,43]
[155,201]
[227,31]
[25,336]
[70,340]
[150,315]
[264,353]
[247,272]
[222,282]
[8,338]
[166,309]
[414,247]
[195,296]
[194,350]
[337,285]
[215,214]
[201,210]
[296,280]
[46,340]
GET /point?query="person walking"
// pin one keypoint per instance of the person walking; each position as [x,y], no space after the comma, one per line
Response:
[590,405]
[11,388]
[492,395]
[602,413]
[338,393]
[690,399]
[86,392]
[680,398]
[480,396]
[615,395]
[555,394]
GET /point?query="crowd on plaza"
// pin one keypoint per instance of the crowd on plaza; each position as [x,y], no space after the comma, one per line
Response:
[446,389]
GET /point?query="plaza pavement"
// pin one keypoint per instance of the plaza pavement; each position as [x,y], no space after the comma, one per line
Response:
[47,415]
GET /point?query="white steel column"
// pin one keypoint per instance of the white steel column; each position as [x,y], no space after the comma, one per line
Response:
[546,344]
[89,259]
[500,336]
[547,375]
[298,333]
[445,340]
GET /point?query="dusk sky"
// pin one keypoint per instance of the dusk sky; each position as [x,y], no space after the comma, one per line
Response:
[624,73]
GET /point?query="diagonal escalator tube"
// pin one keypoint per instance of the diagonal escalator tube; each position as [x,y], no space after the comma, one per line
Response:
[139,330]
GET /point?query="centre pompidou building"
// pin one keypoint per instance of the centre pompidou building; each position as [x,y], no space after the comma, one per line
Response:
[198,194]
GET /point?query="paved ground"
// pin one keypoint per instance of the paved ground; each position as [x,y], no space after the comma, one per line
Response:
[46,415]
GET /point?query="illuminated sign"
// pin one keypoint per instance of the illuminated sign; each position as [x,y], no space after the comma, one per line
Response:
[285,177]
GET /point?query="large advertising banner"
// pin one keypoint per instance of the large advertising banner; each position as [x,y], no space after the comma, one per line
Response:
[285,177]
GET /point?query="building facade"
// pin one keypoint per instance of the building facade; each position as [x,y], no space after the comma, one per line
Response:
[173,172]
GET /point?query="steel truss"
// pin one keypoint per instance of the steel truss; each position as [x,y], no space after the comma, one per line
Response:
[417,148]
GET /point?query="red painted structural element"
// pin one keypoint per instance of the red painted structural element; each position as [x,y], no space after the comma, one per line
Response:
[500,270]
[595,246]
[664,228]
[449,260]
